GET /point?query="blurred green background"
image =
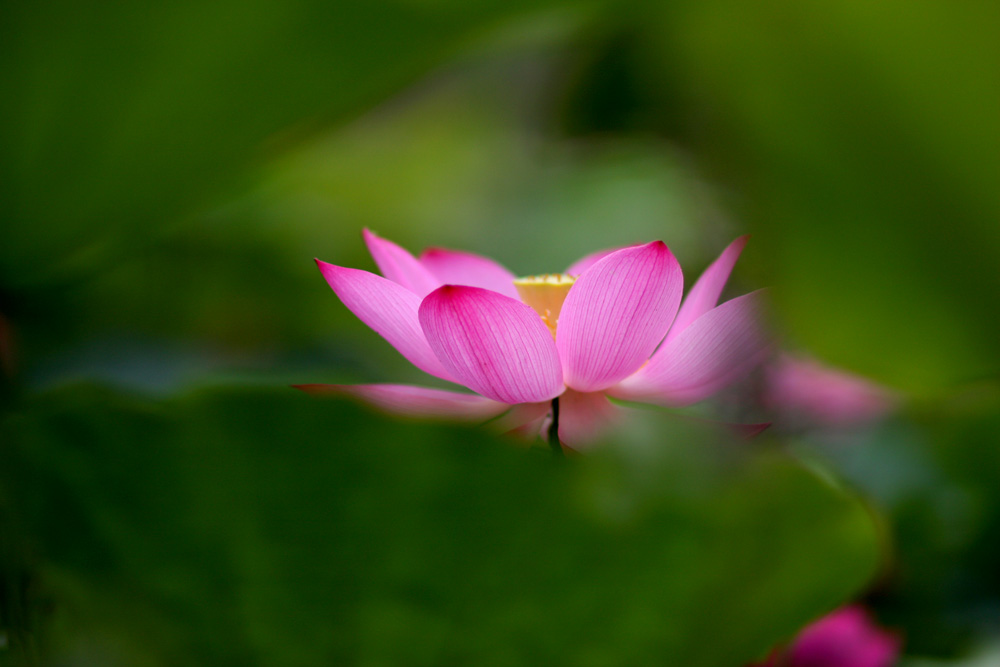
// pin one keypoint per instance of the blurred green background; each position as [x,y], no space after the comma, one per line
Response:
[169,171]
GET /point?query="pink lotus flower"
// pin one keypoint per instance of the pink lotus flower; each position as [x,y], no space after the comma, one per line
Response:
[612,326]
[806,393]
[845,638]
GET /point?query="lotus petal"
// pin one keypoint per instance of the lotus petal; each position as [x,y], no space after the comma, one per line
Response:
[495,345]
[616,314]
[705,294]
[400,266]
[453,267]
[410,401]
[584,418]
[716,350]
[389,309]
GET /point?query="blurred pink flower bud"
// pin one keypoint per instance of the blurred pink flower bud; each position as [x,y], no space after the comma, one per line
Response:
[806,393]
[845,638]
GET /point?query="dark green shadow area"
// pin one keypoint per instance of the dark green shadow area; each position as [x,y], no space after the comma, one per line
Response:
[120,120]
[936,479]
[266,527]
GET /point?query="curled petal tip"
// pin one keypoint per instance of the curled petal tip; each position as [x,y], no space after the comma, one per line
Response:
[616,314]
[398,265]
[326,268]
[390,309]
[657,246]
[705,293]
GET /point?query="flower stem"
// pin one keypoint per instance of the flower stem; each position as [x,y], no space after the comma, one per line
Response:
[554,430]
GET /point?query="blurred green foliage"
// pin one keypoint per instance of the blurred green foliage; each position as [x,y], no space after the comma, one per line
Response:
[120,119]
[266,527]
[168,172]
[935,476]
[864,142]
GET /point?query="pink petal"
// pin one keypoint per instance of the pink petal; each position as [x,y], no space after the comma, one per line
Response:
[880,651]
[584,418]
[716,350]
[587,261]
[453,267]
[402,399]
[706,292]
[615,315]
[389,309]
[584,263]
[524,421]
[400,266]
[805,390]
[845,637]
[495,345]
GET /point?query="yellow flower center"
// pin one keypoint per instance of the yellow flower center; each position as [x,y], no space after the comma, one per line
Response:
[545,294]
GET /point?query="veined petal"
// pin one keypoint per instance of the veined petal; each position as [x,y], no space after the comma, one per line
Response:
[453,267]
[584,418]
[410,401]
[400,266]
[577,268]
[716,350]
[388,308]
[705,294]
[495,345]
[615,315]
